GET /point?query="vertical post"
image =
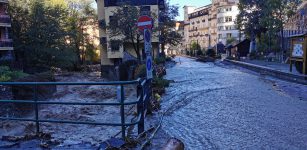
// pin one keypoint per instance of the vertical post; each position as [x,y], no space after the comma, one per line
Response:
[140,107]
[36,109]
[122,111]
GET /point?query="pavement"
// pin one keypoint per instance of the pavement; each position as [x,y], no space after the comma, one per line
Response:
[220,106]
[274,65]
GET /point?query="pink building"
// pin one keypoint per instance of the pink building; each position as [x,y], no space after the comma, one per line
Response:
[6,43]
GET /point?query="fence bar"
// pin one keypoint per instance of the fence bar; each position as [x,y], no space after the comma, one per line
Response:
[140,108]
[66,103]
[36,109]
[141,102]
[72,122]
[122,111]
[71,83]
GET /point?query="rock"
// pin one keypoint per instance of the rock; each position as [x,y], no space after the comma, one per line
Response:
[173,144]
[26,92]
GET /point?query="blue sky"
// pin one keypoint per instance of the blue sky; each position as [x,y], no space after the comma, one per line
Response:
[181,3]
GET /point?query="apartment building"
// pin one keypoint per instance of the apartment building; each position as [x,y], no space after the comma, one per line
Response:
[211,24]
[113,54]
[227,11]
[6,43]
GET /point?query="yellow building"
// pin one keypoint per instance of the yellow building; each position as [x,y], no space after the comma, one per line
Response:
[114,54]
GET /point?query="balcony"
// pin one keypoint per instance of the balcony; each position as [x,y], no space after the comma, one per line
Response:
[4,1]
[5,20]
[6,45]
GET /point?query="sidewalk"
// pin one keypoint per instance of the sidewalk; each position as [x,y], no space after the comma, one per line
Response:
[274,69]
[274,65]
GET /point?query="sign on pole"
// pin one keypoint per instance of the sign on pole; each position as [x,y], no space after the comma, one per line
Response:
[145,24]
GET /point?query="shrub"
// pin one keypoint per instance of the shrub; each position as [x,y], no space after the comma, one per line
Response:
[210,53]
[168,59]
[160,82]
[160,60]
[140,71]
[199,52]
[6,74]
[253,55]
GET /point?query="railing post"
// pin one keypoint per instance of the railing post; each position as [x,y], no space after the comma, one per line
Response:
[140,107]
[36,109]
[122,111]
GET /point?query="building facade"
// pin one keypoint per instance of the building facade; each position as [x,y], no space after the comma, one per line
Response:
[211,24]
[6,42]
[113,54]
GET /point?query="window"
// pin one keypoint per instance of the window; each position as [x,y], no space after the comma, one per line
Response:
[229,9]
[113,21]
[145,10]
[228,19]
[220,10]
[220,36]
[220,28]
[220,20]
[115,45]
[229,35]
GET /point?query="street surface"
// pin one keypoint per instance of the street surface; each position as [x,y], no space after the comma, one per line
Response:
[216,106]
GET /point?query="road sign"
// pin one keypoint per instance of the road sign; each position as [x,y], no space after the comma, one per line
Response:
[149,67]
[147,46]
[147,41]
[145,22]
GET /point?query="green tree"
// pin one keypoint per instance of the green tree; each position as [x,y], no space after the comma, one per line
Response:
[48,33]
[230,40]
[81,15]
[41,39]
[123,24]
[167,25]
[195,46]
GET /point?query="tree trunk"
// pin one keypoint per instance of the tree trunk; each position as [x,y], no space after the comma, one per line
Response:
[138,49]
[162,49]
[253,43]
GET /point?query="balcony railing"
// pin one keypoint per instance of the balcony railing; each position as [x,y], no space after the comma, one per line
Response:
[6,44]
[5,19]
[4,1]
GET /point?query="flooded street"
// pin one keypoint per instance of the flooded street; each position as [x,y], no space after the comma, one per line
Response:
[216,106]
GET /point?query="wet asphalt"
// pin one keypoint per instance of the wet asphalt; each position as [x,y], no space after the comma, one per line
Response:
[216,106]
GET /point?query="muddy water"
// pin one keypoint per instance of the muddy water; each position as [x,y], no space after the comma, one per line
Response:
[219,107]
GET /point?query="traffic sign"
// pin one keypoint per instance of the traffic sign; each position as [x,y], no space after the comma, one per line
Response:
[145,22]
[149,67]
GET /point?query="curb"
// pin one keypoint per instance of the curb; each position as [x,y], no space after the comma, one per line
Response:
[301,79]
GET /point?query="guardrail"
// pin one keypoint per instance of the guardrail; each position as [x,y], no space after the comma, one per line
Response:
[143,98]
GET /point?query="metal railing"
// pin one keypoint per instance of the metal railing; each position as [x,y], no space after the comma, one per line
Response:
[143,97]
[5,19]
[6,43]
